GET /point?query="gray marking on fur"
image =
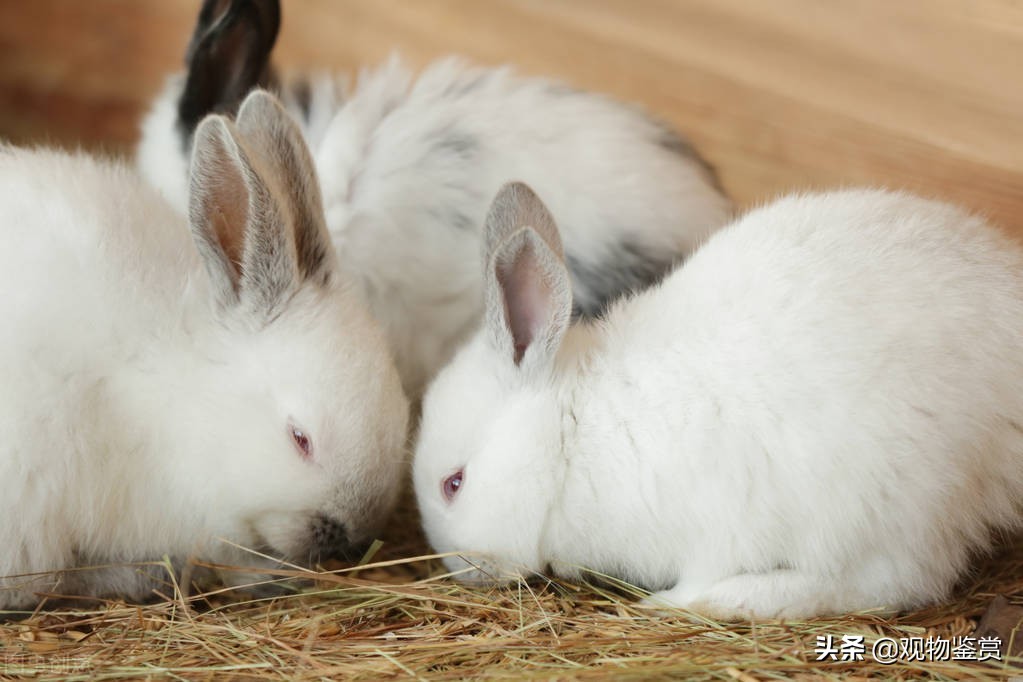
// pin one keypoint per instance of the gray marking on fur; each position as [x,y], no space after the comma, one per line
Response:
[302,92]
[462,145]
[449,215]
[924,411]
[558,89]
[329,539]
[461,88]
[676,144]
[630,268]
[453,144]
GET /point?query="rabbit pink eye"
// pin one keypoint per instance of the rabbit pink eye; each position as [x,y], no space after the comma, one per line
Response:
[302,442]
[452,484]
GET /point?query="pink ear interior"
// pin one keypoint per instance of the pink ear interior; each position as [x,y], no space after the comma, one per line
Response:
[527,297]
[220,201]
[229,216]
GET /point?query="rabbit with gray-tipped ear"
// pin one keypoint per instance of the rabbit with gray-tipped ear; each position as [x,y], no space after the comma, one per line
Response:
[408,166]
[174,394]
[819,412]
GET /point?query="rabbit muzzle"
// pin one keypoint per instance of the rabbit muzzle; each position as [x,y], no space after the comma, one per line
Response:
[330,539]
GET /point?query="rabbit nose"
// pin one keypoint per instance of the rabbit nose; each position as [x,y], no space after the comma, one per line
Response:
[330,540]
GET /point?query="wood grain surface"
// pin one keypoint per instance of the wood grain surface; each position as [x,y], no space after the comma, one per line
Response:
[781,95]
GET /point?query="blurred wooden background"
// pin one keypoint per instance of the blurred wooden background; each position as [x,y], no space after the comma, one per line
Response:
[787,94]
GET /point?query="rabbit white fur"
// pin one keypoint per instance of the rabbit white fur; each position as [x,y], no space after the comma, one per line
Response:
[408,166]
[151,388]
[819,412]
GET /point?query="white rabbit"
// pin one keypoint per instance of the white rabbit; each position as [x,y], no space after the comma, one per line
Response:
[819,412]
[163,391]
[408,167]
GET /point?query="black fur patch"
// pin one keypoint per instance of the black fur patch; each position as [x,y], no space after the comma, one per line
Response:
[631,268]
[228,56]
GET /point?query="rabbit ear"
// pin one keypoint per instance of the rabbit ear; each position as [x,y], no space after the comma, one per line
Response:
[245,223]
[527,288]
[268,128]
[229,54]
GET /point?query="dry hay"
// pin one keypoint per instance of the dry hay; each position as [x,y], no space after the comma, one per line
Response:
[400,619]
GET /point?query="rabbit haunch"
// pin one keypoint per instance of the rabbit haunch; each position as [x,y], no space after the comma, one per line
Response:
[408,165]
[819,412]
[168,400]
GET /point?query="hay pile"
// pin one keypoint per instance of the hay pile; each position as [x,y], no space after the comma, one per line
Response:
[399,618]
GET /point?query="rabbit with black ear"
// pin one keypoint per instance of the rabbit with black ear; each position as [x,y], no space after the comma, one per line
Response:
[168,394]
[408,166]
[819,412]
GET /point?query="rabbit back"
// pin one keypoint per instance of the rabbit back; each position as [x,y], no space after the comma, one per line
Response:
[829,385]
[409,167]
[83,243]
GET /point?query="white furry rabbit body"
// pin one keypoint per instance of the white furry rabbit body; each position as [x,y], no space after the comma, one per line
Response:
[408,166]
[819,412]
[162,391]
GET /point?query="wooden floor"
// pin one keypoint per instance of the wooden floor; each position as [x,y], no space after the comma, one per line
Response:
[779,95]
